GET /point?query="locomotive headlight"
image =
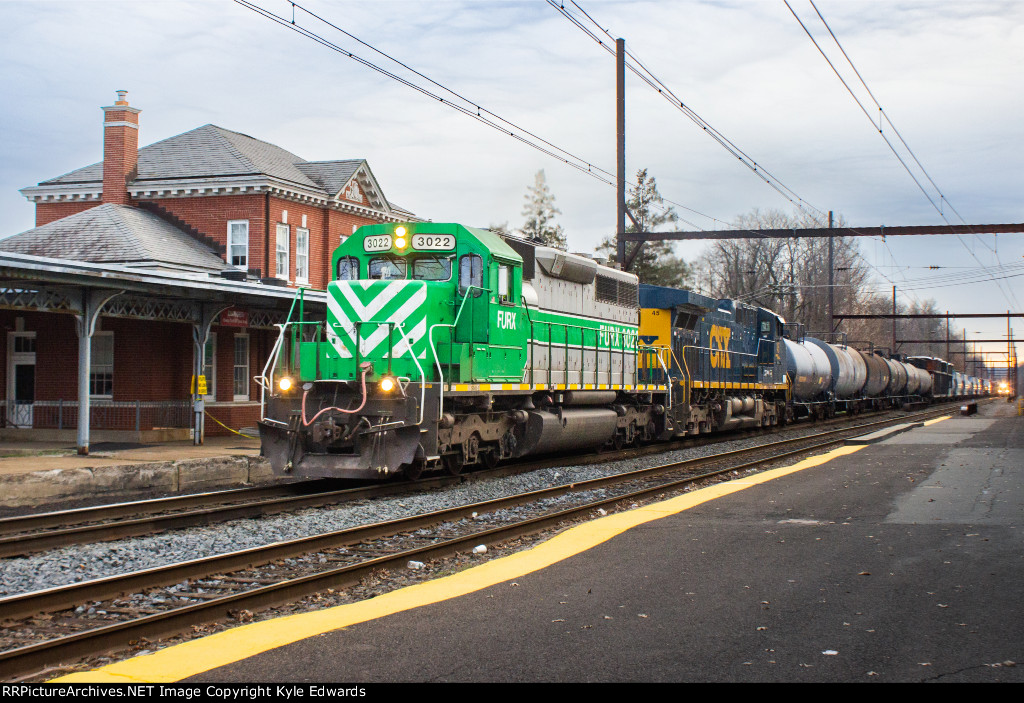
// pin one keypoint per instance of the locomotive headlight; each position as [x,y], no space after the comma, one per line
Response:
[400,231]
[285,384]
[400,242]
[387,384]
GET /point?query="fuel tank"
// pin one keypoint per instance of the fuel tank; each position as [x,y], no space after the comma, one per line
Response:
[568,428]
[924,386]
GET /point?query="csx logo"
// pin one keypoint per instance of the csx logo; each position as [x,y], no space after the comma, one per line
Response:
[719,342]
[506,320]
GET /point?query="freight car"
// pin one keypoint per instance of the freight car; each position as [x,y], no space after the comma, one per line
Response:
[446,346]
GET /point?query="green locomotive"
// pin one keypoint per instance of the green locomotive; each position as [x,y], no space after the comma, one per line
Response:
[446,346]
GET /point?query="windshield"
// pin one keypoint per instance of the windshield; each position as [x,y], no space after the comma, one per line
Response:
[432,268]
[386,268]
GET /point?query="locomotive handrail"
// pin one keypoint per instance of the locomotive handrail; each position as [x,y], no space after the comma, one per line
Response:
[655,351]
[433,348]
[549,342]
[423,376]
[720,370]
[266,380]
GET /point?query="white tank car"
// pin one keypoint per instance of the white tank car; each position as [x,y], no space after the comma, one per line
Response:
[809,370]
[848,370]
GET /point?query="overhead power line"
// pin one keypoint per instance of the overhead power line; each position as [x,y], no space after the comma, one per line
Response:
[445,95]
[638,68]
[1010,296]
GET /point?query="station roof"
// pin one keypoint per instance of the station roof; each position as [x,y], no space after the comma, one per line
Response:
[20,273]
[117,234]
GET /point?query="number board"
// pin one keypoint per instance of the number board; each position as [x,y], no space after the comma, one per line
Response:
[433,242]
[380,242]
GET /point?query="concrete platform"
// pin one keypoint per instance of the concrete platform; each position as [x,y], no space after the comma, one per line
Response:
[883,434]
[49,474]
[896,561]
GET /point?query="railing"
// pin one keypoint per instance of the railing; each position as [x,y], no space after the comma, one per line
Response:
[564,347]
[103,414]
[715,365]
[469,294]
[292,332]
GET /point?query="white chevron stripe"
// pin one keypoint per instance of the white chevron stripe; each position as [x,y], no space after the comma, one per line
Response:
[413,335]
[368,312]
[379,335]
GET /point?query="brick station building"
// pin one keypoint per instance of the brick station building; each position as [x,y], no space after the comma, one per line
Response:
[179,255]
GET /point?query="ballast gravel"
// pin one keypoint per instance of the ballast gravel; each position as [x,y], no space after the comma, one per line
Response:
[59,567]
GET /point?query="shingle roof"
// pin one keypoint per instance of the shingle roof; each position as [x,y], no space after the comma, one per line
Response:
[116,234]
[330,175]
[209,153]
[201,153]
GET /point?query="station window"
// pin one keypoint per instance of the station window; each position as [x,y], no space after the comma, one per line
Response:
[210,367]
[241,367]
[101,365]
[301,255]
[283,233]
[238,243]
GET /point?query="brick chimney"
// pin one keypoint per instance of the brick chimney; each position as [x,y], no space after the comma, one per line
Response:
[120,149]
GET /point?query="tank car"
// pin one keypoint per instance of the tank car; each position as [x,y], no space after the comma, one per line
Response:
[445,346]
[848,370]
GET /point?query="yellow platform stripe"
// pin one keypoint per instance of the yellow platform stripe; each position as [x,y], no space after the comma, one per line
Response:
[190,658]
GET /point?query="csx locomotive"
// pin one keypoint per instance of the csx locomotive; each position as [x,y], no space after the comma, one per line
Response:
[446,346]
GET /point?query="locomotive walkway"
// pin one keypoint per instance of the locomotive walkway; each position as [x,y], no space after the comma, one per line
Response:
[896,561]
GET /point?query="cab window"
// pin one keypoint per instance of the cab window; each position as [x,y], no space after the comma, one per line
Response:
[348,268]
[387,268]
[471,273]
[432,268]
[504,283]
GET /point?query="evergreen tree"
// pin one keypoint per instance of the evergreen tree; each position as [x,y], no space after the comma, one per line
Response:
[657,262]
[540,212]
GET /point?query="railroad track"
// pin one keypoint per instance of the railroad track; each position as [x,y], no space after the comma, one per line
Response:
[28,534]
[67,623]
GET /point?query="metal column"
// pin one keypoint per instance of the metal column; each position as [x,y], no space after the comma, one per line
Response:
[90,303]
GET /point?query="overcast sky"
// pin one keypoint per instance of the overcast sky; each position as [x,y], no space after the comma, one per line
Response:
[948,73]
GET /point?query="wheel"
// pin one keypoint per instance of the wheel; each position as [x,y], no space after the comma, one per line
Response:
[490,458]
[414,470]
[453,463]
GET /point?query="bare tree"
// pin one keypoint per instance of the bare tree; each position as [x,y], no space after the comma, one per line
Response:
[788,276]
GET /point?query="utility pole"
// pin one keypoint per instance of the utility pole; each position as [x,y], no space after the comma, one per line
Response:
[894,319]
[947,335]
[620,130]
[831,279]
[1011,369]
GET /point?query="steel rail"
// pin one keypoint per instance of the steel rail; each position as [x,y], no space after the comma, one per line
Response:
[137,518]
[26,658]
